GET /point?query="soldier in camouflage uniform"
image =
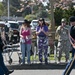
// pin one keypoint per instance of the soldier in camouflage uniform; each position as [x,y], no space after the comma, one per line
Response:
[63,40]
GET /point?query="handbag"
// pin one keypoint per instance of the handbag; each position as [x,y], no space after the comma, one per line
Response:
[22,40]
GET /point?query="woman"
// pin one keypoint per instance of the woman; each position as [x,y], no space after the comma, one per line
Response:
[25,40]
[42,35]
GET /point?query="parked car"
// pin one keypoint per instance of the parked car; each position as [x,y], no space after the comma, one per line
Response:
[20,23]
[13,31]
[4,28]
[34,24]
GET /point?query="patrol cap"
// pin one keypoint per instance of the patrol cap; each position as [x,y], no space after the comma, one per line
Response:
[72,19]
[63,20]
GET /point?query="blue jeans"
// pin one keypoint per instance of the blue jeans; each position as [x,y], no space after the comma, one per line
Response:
[3,68]
[71,64]
[25,48]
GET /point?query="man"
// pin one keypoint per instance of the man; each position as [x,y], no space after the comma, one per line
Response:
[3,68]
[63,40]
[71,64]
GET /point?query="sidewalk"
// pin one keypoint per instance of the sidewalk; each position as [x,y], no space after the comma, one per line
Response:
[34,65]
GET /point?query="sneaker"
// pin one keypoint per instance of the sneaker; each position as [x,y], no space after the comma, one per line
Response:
[46,62]
[29,63]
[58,62]
[40,61]
[9,72]
[22,64]
[67,60]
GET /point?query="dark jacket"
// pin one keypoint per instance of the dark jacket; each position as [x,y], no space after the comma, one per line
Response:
[72,32]
[1,45]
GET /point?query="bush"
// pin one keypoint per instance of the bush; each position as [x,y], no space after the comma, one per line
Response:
[30,17]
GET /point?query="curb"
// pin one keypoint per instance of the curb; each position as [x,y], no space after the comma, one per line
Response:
[38,66]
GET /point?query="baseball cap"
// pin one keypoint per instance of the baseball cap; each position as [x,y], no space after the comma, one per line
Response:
[72,19]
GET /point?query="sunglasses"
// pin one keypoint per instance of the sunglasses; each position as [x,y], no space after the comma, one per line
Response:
[40,20]
[63,22]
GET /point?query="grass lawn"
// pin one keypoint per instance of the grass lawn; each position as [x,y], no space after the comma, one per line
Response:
[51,57]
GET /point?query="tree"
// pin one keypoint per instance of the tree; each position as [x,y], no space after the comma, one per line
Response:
[43,14]
[69,12]
[58,14]
[13,11]
[30,17]
[15,3]
[27,10]
[1,9]
[14,6]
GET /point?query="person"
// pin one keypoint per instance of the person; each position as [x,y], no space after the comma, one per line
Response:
[63,40]
[71,63]
[42,43]
[25,41]
[3,69]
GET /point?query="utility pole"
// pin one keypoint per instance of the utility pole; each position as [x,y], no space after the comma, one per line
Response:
[8,10]
[52,20]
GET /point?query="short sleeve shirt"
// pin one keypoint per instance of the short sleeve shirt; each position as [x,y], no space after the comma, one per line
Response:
[45,28]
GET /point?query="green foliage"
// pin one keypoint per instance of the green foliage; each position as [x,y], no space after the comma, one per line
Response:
[69,12]
[58,14]
[27,11]
[38,9]
[1,9]
[14,6]
[35,9]
[13,10]
[30,17]
[43,14]
[15,3]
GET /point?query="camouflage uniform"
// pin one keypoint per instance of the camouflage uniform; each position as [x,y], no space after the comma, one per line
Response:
[63,42]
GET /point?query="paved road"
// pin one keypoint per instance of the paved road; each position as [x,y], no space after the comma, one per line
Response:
[40,72]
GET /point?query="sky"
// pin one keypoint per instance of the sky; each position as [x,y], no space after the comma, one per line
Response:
[1,0]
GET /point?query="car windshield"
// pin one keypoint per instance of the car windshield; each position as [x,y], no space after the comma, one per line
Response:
[20,23]
[14,25]
[35,23]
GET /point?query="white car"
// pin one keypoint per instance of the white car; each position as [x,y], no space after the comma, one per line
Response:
[13,31]
[34,24]
[20,22]
[13,24]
